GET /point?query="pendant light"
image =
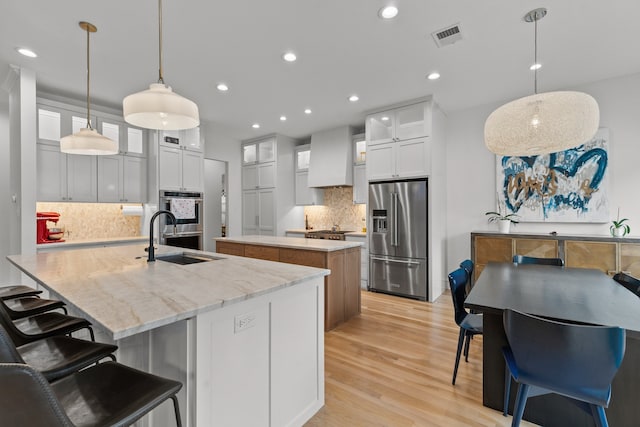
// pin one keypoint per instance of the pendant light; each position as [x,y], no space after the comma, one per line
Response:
[159,107]
[541,123]
[87,140]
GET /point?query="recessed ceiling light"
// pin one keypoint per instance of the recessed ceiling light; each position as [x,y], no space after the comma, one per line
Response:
[353,98]
[307,111]
[27,52]
[283,118]
[535,67]
[289,56]
[434,76]
[388,12]
[255,126]
[222,87]
[384,118]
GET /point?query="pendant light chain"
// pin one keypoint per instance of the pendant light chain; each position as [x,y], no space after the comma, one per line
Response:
[160,79]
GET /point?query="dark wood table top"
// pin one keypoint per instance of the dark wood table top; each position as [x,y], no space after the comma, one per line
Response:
[574,294]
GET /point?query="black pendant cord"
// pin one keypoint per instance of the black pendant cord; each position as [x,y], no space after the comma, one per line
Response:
[160,79]
[535,56]
[88,84]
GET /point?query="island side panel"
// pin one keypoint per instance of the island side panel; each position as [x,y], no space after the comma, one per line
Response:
[261,362]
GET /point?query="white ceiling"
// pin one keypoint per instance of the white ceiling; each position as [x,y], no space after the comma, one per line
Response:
[342,47]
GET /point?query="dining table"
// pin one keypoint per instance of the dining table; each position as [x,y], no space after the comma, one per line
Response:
[572,295]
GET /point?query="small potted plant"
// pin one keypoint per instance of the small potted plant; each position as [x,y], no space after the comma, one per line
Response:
[504,220]
[618,227]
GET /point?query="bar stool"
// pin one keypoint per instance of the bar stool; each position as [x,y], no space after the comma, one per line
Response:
[108,394]
[44,325]
[17,291]
[30,306]
[53,357]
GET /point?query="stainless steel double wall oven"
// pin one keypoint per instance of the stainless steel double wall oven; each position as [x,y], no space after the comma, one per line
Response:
[189,229]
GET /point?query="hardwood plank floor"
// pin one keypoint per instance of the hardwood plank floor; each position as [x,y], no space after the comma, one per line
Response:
[392,366]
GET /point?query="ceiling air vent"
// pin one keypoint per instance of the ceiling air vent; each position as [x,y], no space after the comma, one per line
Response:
[448,35]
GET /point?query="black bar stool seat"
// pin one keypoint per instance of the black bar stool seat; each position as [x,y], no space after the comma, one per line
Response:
[30,306]
[17,291]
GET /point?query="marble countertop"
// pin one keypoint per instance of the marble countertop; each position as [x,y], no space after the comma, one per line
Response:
[293,242]
[69,244]
[116,288]
[303,231]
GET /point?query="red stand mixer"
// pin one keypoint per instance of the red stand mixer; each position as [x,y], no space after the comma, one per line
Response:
[45,234]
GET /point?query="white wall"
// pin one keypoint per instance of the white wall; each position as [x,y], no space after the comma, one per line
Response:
[471,176]
[5,193]
[220,145]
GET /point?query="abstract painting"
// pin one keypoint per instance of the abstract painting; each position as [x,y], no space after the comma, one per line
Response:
[568,186]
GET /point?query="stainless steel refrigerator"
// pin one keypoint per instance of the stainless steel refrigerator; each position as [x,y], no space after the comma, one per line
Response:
[398,238]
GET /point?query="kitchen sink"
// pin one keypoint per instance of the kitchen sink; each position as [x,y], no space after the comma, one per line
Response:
[186,258]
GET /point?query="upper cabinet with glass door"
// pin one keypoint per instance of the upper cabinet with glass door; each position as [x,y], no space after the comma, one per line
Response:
[359,149]
[398,124]
[261,151]
[130,139]
[188,139]
[55,122]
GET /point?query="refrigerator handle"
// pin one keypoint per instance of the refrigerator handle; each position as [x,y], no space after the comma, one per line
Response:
[394,239]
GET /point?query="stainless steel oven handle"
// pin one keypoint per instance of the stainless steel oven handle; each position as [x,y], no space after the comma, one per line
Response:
[168,199]
[399,261]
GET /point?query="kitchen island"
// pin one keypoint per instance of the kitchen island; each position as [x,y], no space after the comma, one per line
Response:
[245,337]
[341,287]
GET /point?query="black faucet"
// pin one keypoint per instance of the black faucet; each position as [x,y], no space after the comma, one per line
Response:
[152,254]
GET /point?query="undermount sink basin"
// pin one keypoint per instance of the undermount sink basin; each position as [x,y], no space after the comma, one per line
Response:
[186,258]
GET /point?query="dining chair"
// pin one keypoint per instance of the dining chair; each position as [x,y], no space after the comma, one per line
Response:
[107,394]
[470,323]
[629,282]
[575,361]
[521,259]
[44,325]
[467,265]
[30,306]
[17,291]
[53,357]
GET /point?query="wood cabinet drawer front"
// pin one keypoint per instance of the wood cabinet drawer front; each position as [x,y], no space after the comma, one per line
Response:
[599,255]
[230,248]
[630,258]
[302,257]
[262,252]
[538,248]
[493,249]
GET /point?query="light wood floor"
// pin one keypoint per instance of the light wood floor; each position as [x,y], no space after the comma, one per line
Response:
[392,366]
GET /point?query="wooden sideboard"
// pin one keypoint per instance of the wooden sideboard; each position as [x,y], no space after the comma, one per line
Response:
[608,254]
[341,287]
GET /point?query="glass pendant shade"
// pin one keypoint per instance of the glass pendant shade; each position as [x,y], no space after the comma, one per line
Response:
[542,123]
[89,142]
[160,108]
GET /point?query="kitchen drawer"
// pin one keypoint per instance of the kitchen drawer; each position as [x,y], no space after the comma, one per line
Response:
[262,252]
[302,257]
[230,248]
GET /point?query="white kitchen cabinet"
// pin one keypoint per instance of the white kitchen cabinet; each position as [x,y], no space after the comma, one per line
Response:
[402,159]
[131,140]
[180,169]
[397,124]
[360,184]
[268,189]
[122,179]
[55,121]
[65,177]
[259,151]
[187,139]
[260,175]
[259,212]
[364,258]
[305,195]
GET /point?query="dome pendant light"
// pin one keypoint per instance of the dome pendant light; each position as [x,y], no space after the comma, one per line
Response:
[541,123]
[159,107]
[88,141]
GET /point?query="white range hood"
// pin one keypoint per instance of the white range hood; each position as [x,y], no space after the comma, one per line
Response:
[331,162]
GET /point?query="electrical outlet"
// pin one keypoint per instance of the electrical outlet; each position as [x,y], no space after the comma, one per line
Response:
[244,321]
